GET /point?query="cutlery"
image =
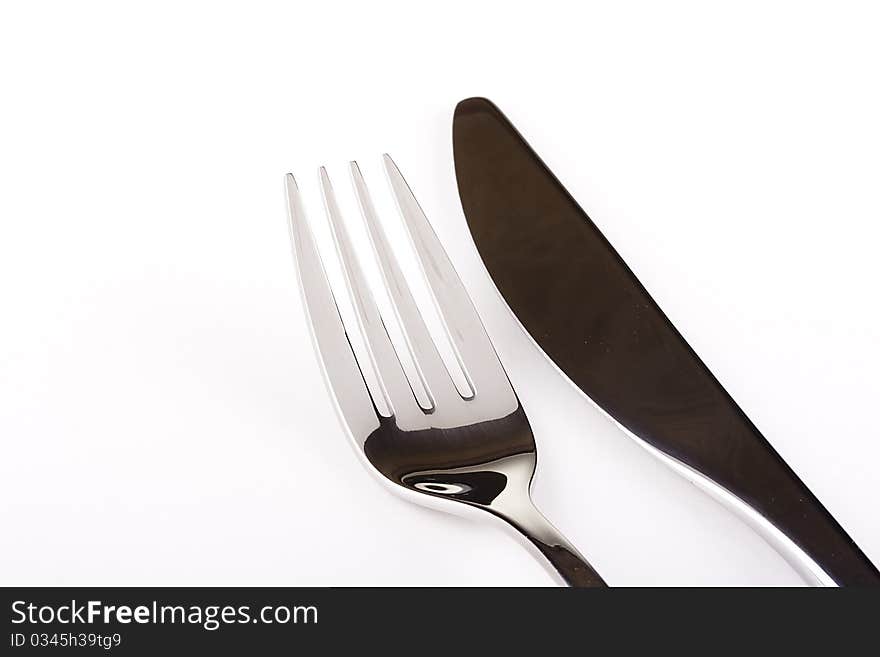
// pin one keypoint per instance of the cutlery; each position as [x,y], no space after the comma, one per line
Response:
[589,314]
[459,451]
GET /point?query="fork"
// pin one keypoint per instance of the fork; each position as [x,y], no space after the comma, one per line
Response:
[451,449]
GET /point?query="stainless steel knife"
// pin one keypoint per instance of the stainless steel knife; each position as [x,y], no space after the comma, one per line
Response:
[591,316]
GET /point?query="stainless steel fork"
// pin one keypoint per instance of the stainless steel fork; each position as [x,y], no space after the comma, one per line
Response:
[450,450]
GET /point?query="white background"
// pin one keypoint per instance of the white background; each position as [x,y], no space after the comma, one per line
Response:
[162,415]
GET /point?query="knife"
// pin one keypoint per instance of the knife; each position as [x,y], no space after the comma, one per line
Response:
[594,320]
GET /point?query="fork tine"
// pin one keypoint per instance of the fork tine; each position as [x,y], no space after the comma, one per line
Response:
[344,378]
[474,350]
[398,394]
[431,368]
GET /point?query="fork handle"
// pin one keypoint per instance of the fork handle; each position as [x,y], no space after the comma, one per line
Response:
[558,554]
[574,570]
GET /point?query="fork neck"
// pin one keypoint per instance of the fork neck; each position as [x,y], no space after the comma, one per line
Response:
[515,507]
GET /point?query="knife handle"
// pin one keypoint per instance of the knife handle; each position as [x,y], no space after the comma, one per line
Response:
[674,407]
[834,561]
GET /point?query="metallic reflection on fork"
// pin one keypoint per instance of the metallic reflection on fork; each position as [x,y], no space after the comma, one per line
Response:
[456,450]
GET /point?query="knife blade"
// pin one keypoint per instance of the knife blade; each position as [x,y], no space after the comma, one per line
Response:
[595,321]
